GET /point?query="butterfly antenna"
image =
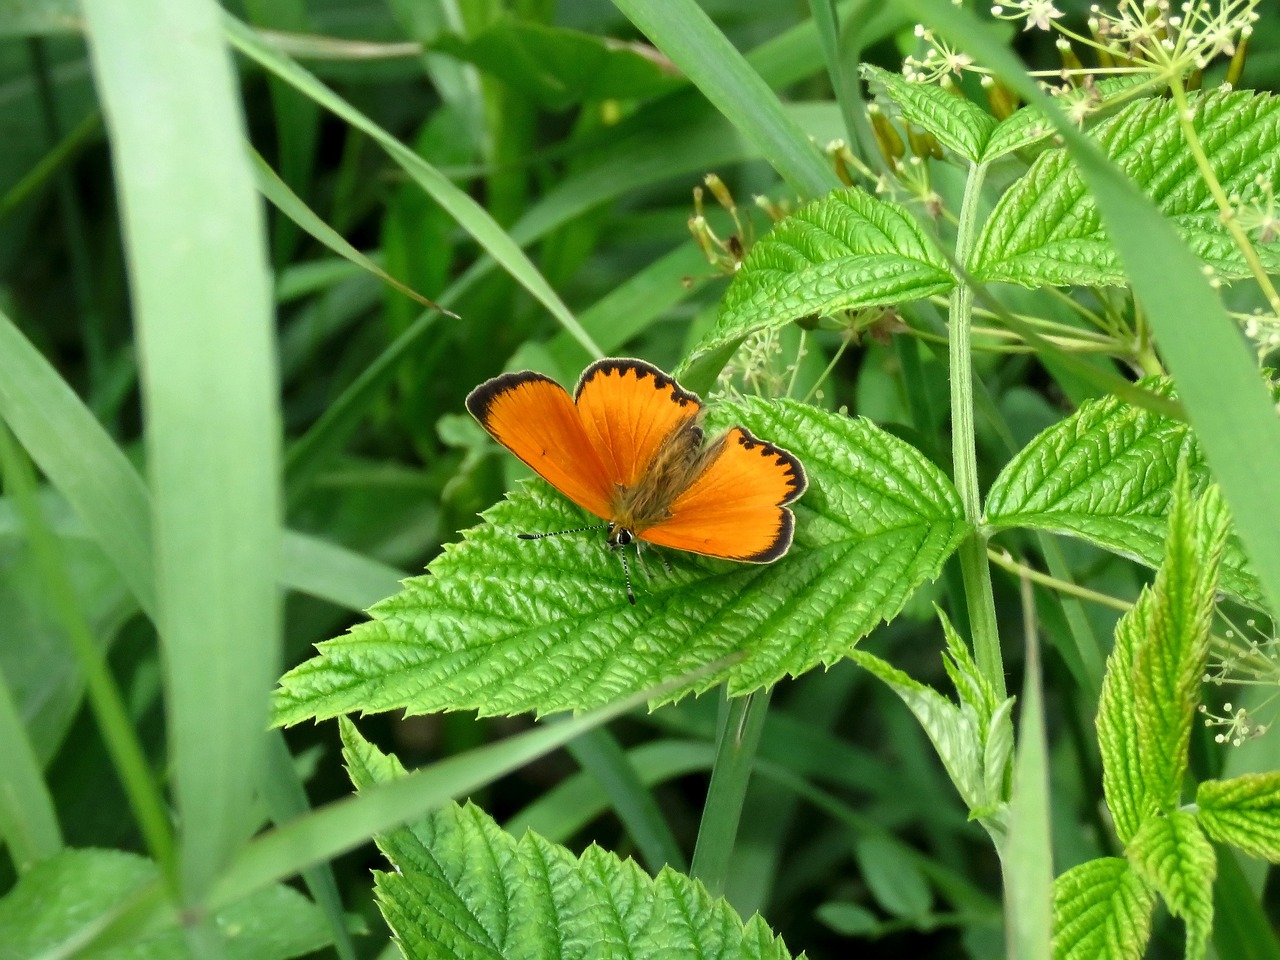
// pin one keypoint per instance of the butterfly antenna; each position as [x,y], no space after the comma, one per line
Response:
[626,575]
[559,533]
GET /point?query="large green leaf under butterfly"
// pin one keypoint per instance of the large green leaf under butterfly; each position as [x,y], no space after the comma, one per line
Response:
[1105,474]
[464,889]
[503,626]
[1046,229]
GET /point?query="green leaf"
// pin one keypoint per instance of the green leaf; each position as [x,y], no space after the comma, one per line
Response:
[848,919]
[1128,798]
[958,123]
[559,67]
[1172,854]
[973,688]
[1105,474]
[1169,662]
[104,489]
[994,718]
[503,626]
[1244,812]
[465,888]
[1028,126]
[897,884]
[62,894]
[844,251]
[1101,911]
[959,736]
[1152,683]
[1047,229]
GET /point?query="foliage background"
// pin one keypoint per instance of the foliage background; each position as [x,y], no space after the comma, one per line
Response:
[597,188]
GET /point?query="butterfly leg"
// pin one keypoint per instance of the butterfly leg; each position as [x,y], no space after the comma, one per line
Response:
[642,548]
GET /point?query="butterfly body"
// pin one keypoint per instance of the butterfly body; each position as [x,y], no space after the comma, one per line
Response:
[628,446]
[675,465]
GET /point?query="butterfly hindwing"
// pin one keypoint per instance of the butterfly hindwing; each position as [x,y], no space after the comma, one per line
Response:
[628,409]
[535,418]
[736,507]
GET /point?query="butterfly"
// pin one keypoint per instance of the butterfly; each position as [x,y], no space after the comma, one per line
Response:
[628,446]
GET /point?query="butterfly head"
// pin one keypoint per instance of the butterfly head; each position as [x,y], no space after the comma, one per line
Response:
[619,536]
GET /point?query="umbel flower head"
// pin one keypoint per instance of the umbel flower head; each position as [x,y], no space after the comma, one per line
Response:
[1130,37]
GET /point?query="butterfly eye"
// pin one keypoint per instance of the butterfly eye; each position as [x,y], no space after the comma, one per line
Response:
[620,537]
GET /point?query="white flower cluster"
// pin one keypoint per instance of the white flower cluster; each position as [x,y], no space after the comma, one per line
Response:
[1142,37]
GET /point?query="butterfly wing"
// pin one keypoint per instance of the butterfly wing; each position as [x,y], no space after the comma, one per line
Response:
[534,417]
[628,409]
[736,507]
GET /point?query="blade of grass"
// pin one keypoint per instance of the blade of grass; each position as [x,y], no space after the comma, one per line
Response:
[286,800]
[1218,382]
[108,705]
[682,31]
[297,120]
[39,176]
[470,215]
[28,822]
[291,205]
[844,45]
[201,288]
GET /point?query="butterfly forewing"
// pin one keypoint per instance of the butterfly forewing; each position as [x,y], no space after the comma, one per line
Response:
[535,418]
[629,410]
[736,507]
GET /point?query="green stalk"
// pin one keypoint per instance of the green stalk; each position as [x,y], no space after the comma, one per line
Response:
[973,551]
[742,720]
[105,700]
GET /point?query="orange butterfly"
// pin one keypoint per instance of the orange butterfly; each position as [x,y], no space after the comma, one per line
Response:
[628,447]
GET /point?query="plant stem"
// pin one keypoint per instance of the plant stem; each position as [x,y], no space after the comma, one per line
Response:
[1002,559]
[741,721]
[964,454]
